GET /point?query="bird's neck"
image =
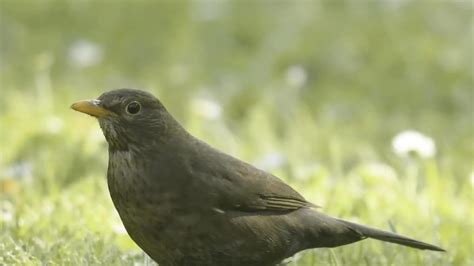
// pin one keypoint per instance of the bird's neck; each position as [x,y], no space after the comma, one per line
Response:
[150,141]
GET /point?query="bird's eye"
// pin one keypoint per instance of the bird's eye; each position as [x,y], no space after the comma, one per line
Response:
[133,108]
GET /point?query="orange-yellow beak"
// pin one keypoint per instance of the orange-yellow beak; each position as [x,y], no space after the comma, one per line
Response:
[91,107]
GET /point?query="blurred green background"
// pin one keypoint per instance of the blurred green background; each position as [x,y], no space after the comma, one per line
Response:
[365,107]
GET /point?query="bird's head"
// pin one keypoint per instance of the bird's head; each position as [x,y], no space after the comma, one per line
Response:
[128,117]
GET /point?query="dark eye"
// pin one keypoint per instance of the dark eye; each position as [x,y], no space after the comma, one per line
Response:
[133,108]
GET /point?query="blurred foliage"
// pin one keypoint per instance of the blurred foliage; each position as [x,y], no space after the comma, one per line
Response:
[313,91]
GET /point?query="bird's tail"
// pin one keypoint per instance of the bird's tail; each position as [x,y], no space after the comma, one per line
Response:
[389,237]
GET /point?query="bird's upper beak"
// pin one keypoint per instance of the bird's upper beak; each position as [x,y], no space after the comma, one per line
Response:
[91,107]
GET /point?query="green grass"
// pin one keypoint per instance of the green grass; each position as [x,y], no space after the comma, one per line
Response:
[321,86]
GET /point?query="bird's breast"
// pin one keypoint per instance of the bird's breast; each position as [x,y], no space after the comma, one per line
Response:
[136,190]
[128,187]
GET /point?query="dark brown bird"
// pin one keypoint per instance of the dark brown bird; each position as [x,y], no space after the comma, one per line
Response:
[186,203]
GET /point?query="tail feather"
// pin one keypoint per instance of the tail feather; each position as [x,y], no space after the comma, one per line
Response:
[390,237]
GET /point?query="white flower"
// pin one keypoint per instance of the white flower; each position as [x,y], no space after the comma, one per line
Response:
[411,141]
[296,76]
[83,53]
[206,108]
[472,178]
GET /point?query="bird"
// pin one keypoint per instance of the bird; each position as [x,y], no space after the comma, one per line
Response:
[184,202]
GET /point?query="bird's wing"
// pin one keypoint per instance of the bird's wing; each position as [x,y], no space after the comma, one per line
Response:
[236,185]
[271,203]
[266,192]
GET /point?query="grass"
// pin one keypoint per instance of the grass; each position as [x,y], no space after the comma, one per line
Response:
[313,92]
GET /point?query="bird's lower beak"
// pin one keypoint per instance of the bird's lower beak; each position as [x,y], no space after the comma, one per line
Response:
[91,107]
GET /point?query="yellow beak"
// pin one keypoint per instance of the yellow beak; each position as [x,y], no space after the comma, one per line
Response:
[91,107]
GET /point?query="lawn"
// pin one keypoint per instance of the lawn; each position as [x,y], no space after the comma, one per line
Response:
[319,93]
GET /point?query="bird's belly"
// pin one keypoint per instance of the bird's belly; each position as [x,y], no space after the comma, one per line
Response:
[180,236]
[192,239]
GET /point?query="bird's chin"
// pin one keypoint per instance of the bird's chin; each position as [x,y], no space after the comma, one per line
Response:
[114,134]
[108,128]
